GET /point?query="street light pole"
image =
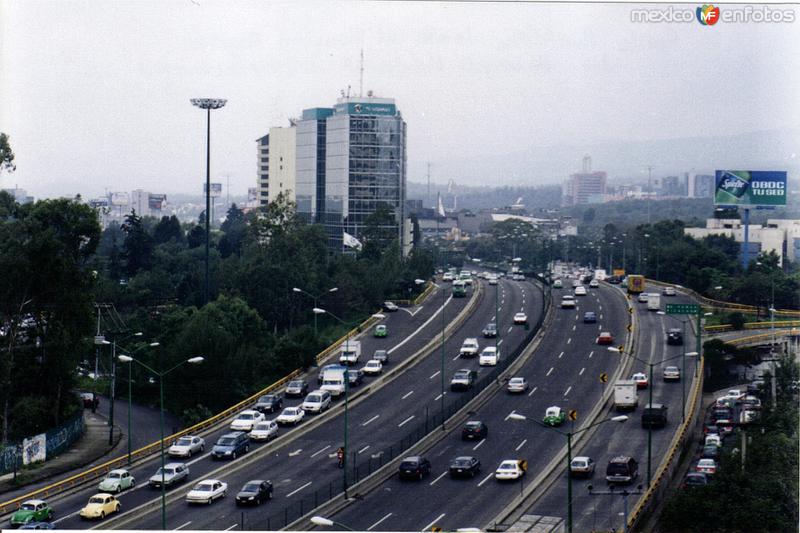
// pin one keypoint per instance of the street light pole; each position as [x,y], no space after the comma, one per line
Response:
[208,104]
[194,360]
[315,298]
[442,369]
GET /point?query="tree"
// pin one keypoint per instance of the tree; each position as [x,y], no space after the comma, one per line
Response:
[6,155]
[166,229]
[138,245]
[235,231]
[196,236]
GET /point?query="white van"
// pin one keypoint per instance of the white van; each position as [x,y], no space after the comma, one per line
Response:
[316,401]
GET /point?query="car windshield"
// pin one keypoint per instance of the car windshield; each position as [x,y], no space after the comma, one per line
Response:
[579,463]
[268,398]
[291,411]
[462,461]
[114,475]
[313,398]
[226,442]
[617,469]
[167,471]
[516,381]
[508,466]
[28,507]
[97,499]
[246,416]
[251,487]
[262,425]
[295,384]
[184,441]
[204,487]
[408,464]
[473,425]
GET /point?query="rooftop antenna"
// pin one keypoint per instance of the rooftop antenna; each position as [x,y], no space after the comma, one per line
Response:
[361,77]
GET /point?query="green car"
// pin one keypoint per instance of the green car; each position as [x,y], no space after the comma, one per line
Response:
[32,511]
[554,416]
[117,481]
[381,331]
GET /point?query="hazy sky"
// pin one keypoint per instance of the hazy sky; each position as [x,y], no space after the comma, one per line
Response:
[95,94]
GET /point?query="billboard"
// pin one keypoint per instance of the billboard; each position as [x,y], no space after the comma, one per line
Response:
[156,201]
[750,187]
[119,198]
[216,189]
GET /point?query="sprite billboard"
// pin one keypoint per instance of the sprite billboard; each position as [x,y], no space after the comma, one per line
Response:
[750,187]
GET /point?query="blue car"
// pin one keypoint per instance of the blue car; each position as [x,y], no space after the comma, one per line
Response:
[589,317]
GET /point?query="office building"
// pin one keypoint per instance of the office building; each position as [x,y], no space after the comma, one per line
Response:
[585,187]
[262,154]
[282,161]
[351,162]
[781,236]
[700,185]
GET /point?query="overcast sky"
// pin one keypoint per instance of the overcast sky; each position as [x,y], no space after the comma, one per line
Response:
[95,94]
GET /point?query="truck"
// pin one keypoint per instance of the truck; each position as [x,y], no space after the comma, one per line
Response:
[333,380]
[600,274]
[459,289]
[625,396]
[350,352]
[654,302]
[635,284]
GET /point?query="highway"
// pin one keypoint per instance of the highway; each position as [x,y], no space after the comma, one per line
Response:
[563,371]
[415,325]
[604,512]
[299,467]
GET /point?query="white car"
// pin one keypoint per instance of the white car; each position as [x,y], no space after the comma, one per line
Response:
[517,384]
[557,284]
[735,394]
[716,440]
[643,297]
[207,491]
[372,368]
[568,302]
[317,401]
[669,291]
[470,347]
[511,469]
[493,280]
[489,356]
[246,420]
[520,318]
[594,284]
[448,276]
[264,430]
[187,446]
[576,283]
[580,290]
[291,415]
[706,466]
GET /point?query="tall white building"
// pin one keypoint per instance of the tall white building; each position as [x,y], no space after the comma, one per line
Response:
[277,164]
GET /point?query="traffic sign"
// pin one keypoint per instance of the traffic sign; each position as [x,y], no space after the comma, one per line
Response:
[621,348]
[604,378]
[630,310]
[573,415]
[683,309]
[436,529]
[629,327]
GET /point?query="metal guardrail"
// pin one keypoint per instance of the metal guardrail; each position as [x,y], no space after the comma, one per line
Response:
[155,447]
[754,325]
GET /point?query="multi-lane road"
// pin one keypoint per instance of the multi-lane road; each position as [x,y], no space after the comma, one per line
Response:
[564,371]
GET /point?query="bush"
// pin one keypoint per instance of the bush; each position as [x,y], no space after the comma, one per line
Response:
[737,320]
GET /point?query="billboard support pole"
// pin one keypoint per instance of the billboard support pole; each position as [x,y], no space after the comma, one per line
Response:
[746,249]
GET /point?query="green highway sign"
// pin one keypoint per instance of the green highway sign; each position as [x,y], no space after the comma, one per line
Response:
[683,309]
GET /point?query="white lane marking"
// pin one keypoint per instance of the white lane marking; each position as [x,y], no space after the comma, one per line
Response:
[76,513]
[523,307]
[295,491]
[576,317]
[373,419]
[500,342]
[438,398]
[182,526]
[601,316]
[600,308]
[434,374]
[568,389]
[231,527]
[479,444]
[550,371]
[365,448]
[492,319]
[434,315]
[296,452]
[456,357]
[561,355]
[591,354]
[376,524]
[485,479]
[569,340]
[599,327]
[532,391]
[509,329]
[438,478]
[320,451]
[509,414]
[581,372]
[574,327]
[409,393]
[429,526]
[404,422]
[521,444]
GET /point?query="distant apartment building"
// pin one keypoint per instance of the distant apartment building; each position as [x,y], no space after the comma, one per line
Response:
[699,185]
[277,158]
[585,187]
[781,236]
[262,164]
[20,195]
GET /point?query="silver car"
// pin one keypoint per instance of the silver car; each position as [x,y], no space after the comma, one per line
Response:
[187,446]
[173,473]
[517,384]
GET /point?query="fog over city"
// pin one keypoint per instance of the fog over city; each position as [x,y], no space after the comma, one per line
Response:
[95,95]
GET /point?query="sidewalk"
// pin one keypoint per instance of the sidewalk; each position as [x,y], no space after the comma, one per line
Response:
[90,448]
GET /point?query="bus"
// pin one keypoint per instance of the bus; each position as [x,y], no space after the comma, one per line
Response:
[459,289]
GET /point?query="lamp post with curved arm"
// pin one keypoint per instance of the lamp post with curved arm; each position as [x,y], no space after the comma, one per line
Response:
[315,298]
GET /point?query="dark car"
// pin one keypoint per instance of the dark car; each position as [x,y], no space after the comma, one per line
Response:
[614,280]
[622,469]
[355,377]
[382,356]
[231,445]
[654,415]
[465,466]
[414,467]
[694,479]
[710,429]
[710,452]
[254,492]
[490,330]
[463,379]
[474,429]
[721,413]
[590,317]
[269,403]
[674,337]
[297,387]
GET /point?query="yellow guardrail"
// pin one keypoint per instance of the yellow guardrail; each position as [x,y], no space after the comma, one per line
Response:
[755,325]
[764,336]
[100,470]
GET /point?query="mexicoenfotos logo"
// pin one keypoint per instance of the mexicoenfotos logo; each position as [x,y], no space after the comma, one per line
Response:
[707,15]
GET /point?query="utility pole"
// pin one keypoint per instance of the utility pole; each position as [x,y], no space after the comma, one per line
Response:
[649,191]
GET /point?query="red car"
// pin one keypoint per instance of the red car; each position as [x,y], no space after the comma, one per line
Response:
[641,380]
[605,338]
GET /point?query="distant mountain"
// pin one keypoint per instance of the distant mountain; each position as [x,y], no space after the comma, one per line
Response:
[627,160]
